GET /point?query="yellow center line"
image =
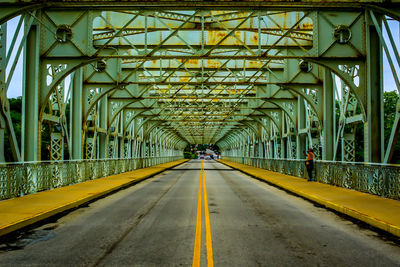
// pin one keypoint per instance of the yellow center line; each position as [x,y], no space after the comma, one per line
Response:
[210,260]
[197,241]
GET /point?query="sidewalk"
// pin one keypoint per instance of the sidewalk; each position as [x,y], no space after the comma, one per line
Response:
[19,212]
[379,212]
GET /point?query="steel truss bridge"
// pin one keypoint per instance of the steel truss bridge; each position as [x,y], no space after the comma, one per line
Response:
[142,80]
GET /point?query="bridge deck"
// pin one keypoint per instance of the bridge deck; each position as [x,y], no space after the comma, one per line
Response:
[199,213]
[20,212]
[376,211]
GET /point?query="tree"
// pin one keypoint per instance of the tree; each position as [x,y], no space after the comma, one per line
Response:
[16,117]
[390,101]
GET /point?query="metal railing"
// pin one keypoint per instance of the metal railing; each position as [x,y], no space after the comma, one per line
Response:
[19,179]
[378,179]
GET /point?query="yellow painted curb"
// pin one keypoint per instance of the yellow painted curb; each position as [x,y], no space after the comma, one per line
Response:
[15,214]
[370,217]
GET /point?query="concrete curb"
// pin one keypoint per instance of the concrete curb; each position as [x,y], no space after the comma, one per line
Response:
[36,217]
[375,222]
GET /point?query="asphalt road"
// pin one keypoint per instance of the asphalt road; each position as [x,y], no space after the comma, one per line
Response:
[154,223]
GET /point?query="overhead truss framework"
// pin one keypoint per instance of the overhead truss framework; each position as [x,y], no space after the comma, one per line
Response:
[143,79]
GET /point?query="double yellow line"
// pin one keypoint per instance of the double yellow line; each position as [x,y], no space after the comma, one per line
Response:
[197,241]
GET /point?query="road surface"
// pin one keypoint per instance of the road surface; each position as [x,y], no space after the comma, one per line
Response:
[240,221]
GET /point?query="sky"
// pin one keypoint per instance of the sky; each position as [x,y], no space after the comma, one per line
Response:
[15,88]
[388,80]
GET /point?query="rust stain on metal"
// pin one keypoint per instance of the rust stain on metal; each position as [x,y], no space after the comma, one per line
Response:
[212,37]
[193,61]
[307,25]
[184,79]
[213,63]
[254,64]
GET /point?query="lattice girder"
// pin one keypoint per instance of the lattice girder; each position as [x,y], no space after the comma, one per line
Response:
[201,74]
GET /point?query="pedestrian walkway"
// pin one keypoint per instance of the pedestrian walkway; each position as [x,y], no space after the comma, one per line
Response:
[20,212]
[379,212]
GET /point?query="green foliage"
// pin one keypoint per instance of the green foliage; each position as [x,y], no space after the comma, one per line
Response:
[189,155]
[16,117]
[359,142]
[390,101]
[46,143]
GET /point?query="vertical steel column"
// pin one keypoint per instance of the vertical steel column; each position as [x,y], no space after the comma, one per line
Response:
[131,141]
[76,116]
[134,138]
[103,118]
[135,148]
[3,89]
[151,150]
[248,146]
[283,139]
[2,141]
[373,128]
[271,142]
[121,139]
[142,153]
[329,117]
[30,103]
[156,151]
[301,124]
[283,148]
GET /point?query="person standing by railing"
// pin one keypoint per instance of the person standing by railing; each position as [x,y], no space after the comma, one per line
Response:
[310,163]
